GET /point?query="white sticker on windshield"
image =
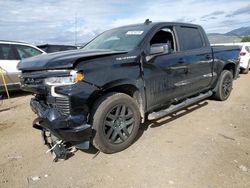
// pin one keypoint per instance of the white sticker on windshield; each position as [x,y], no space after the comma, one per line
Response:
[134,32]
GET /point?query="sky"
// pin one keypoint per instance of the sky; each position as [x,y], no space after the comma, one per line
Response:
[78,21]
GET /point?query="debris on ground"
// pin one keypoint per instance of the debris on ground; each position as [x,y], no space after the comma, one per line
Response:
[15,157]
[35,178]
[171,182]
[243,168]
[226,137]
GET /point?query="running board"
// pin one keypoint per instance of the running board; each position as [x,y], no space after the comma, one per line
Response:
[174,108]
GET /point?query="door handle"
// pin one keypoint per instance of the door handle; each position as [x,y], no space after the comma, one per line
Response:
[181,60]
[178,68]
[208,57]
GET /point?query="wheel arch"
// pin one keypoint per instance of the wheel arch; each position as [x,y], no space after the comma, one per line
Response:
[231,67]
[122,86]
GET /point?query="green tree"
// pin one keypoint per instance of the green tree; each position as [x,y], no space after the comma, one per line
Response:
[245,39]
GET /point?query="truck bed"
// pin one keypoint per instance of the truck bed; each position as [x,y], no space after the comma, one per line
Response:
[226,53]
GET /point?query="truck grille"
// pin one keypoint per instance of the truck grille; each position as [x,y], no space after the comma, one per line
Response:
[63,105]
[31,81]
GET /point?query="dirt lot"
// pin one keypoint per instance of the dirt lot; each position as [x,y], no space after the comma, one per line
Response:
[207,145]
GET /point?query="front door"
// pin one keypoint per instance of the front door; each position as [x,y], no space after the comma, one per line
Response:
[164,79]
[164,73]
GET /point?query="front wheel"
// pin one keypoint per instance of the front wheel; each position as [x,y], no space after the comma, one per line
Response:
[224,86]
[116,121]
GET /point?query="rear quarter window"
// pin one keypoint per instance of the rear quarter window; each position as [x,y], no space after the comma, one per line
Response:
[27,51]
[190,38]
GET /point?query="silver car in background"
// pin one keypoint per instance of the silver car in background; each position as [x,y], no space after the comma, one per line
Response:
[10,55]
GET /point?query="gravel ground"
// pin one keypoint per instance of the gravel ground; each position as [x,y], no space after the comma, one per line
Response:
[207,145]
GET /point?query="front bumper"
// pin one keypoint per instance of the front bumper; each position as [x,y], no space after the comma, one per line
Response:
[73,129]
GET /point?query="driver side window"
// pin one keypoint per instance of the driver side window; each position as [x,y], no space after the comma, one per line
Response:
[164,36]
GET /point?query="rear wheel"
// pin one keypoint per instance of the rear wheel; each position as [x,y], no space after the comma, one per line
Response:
[224,86]
[116,120]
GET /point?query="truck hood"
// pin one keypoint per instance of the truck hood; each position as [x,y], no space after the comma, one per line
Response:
[62,60]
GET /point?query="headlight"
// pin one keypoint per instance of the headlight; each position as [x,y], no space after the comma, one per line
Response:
[65,80]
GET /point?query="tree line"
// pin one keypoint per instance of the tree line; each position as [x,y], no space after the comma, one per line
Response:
[245,39]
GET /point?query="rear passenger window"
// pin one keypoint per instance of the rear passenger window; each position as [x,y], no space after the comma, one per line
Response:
[7,52]
[190,38]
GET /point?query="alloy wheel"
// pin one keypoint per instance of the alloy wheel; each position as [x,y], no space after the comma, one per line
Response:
[118,124]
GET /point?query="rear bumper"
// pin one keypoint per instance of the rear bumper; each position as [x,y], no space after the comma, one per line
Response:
[73,129]
[243,64]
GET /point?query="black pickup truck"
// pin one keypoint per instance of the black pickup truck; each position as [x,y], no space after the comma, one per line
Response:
[100,94]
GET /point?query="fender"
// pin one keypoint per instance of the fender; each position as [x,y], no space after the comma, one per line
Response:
[134,88]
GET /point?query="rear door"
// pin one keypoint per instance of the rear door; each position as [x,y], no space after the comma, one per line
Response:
[8,62]
[197,56]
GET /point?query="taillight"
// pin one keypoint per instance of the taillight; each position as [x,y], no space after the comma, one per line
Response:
[242,53]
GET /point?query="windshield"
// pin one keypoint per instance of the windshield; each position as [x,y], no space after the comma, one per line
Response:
[121,39]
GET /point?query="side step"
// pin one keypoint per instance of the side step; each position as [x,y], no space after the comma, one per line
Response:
[174,108]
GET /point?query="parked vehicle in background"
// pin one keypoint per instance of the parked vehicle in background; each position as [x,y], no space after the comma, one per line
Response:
[10,55]
[244,55]
[101,93]
[245,58]
[50,48]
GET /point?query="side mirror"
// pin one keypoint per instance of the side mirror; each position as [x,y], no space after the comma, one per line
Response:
[159,49]
[156,49]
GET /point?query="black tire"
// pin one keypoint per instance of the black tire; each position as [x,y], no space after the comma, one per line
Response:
[116,120]
[224,86]
[245,71]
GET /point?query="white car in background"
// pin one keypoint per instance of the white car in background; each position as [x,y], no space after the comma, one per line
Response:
[10,55]
[245,58]
[244,54]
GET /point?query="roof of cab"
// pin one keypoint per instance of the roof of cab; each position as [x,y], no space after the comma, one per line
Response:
[153,24]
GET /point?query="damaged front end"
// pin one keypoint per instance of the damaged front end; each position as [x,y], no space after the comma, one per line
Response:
[65,129]
[62,126]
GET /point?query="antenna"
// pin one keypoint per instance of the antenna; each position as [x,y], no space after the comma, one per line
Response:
[147,21]
[75,29]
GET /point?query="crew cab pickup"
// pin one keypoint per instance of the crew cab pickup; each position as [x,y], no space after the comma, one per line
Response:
[100,94]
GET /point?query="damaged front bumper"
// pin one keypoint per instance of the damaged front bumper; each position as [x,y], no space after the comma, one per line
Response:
[68,128]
